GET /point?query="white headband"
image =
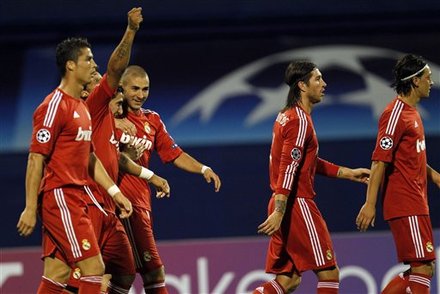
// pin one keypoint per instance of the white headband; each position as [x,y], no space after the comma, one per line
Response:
[414,74]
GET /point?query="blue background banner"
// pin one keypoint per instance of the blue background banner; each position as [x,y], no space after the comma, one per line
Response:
[216,79]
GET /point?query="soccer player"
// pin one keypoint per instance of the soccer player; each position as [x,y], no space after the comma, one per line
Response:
[151,132]
[400,166]
[60,159]
[300,240]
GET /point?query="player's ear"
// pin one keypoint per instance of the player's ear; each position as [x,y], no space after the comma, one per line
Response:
[302,86]
[70,65]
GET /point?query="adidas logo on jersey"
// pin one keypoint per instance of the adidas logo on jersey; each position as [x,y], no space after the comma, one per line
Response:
[84,135]
[75,114]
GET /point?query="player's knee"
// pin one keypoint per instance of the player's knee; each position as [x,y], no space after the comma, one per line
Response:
[92,266]
[426,268]
[154,275]
[56,270]
[328,274]
[293,284]
[123,281]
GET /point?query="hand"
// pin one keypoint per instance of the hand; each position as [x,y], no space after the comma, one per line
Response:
[123,204]
[209,176]
[125,126]
[135,18]
[271,224]
[161,185]
[366,217]
[26,223]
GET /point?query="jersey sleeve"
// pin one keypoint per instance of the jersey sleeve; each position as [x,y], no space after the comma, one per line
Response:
[99,98]
[326,168]
[47,125]
[165,146]
[390,132]
[294,135]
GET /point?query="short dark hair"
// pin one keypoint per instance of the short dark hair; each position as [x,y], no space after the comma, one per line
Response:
[69,49]
[405,67]
[297,70]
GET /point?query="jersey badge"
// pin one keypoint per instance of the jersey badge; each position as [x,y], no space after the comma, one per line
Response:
[416,125]
[85,244]
[329,254]
[76,273]
[43,136]
[75,114]
[429,247]
[386,143]
[296,154]
[147,256]
[147,127]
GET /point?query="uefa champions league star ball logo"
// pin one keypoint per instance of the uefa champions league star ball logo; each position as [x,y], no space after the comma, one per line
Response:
[356,75]
[386,143]
[296,154]
[43,136]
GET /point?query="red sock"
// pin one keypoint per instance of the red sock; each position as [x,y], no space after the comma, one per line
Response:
[328,287]
[156,288]
[419,283]
[90,285]
[270,287]
[48,286]
[397,285]
[115,289]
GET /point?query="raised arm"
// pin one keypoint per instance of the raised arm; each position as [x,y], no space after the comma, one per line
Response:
[367,214]
[433,175]
[129,166]
[34,174]
[99,174]
[121,55]
[189,164]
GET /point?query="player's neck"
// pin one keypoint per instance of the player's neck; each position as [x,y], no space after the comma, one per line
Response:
[410,99]
[306,105]
[71,88]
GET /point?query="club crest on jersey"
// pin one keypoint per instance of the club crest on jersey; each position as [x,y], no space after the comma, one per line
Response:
[147,256]
[329,255]
[147,127]
[84,135]
[429,247]
[76,273]
[86,244]
[386,143]
[43,136]
[296,154]
[420,145]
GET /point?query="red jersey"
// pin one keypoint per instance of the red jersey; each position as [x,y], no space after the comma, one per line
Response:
[62,130]
[103,137]
[401,143]
[152,132]
[294,155]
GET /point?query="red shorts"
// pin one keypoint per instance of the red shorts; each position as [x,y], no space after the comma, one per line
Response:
[67,227]
[413,238]
[139,229]
[303,241]
[113,241]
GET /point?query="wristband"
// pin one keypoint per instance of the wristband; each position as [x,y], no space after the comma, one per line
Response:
[204,168]
[113,190]
[146,173]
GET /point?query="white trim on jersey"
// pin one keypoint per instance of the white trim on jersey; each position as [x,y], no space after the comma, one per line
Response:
[289,175]
[277,287]
[334,285]
[302,130]
[52,109]
[313,234]
[67,223]
[92,197]
[415,234]
[420,280]
[129,231]
[394,117]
